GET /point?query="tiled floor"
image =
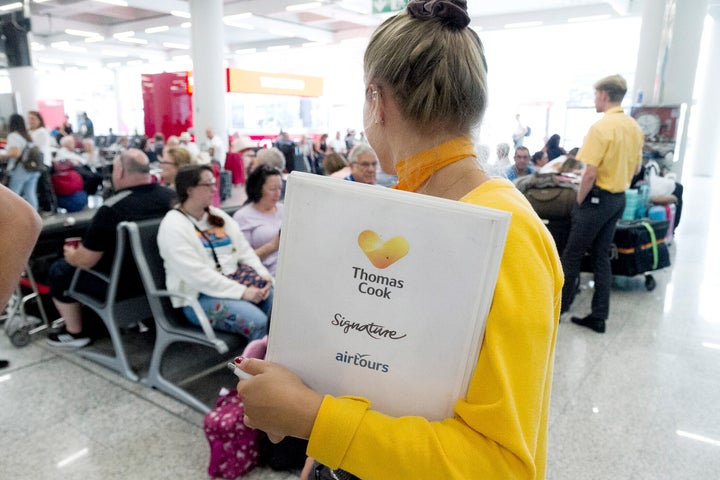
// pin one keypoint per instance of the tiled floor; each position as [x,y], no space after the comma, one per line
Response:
[639,402]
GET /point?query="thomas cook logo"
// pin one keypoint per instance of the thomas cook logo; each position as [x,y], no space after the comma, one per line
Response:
[382,254]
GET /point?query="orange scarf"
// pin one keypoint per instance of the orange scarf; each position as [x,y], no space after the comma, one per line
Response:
[414,171]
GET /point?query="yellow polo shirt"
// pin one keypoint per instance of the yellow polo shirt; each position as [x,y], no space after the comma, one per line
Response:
[499,430]
[613,145]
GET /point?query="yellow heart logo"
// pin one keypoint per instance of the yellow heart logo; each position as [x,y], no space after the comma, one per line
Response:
[380,254]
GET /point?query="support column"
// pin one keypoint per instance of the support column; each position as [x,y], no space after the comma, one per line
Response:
[22,80]
[20,71]
[677,59]
[210,80]
[651,31]
[706,144]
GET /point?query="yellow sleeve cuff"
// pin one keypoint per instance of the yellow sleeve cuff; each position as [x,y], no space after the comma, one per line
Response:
[334,428]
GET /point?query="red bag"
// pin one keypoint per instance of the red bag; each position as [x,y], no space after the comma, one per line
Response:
[234,448]
[67,182]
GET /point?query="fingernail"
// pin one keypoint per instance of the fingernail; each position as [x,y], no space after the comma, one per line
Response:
[239,360]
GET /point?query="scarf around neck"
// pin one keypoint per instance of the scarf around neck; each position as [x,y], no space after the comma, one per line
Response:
[415,170]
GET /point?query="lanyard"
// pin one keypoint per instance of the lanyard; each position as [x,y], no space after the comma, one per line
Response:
[207,239]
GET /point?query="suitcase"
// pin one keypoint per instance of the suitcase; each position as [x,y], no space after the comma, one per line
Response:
[639,247]
[552,202]
[225,185]
[635,250]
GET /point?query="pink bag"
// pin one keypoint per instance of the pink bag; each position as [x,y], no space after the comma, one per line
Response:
[234,448]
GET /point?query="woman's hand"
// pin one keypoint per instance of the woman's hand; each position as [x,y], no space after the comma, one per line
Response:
[255,294]
[276,401]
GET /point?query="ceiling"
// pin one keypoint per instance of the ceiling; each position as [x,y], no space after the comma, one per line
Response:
[112,32]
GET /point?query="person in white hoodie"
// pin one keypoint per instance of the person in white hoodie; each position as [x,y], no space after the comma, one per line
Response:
[206,257]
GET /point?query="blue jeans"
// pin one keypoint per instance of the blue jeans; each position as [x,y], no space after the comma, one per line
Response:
[234,315]
[24,183]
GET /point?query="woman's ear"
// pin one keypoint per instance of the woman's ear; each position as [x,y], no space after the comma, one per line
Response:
[377,104]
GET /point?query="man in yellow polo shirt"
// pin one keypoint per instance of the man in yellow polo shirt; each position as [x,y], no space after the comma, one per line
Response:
[612,152]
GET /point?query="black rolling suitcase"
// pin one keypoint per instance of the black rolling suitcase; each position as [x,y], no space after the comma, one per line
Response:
[639,247]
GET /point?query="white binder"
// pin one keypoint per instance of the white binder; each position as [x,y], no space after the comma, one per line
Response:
[383,294]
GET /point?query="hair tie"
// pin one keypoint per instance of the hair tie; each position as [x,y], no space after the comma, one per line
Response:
[451,12]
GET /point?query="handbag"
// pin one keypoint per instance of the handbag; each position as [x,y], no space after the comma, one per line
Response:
[234,447]
[246,275]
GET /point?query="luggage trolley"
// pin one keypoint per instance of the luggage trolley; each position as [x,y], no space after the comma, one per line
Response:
[19,326]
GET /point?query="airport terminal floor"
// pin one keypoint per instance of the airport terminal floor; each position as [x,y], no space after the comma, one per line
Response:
[638,402]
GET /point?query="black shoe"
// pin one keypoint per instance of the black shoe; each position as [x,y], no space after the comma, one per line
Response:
[66,339]
[592,323]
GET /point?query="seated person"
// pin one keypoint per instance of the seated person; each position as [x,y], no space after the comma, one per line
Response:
[67,152]
[552,147]
[137,198]
[539,159]
[204,253]
[363,164]
[260,217]
[274,158]
[173,158]
[335,166]
[522,166]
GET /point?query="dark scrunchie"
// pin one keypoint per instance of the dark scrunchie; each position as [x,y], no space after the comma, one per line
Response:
[451,12]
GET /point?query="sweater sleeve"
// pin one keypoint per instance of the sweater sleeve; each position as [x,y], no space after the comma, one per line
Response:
[499,429]
[186,262]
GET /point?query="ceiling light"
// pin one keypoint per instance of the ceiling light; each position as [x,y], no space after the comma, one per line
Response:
[119,3]
[180,13]
[55,61]
[40,1]
[113,53]
[244,26]
[11,6]
[523,24]
[94,39]
[37,46]
[179,46]
[239,16]
[139,41]
[161,28]
[65,46]
[245,51]
[353,8]
[186,25]
[715,346]
[303,6]
[129,33]
[591,18]
[80,33]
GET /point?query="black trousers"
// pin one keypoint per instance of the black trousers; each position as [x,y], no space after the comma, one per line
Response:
[593,228]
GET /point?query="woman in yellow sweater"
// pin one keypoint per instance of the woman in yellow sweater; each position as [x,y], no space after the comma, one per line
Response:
[426,88]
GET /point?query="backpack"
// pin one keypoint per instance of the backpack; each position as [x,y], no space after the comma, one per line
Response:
[31,158]
[234,447]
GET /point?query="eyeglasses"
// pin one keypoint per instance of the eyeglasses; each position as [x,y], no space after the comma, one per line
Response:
[207,184]
[367,164]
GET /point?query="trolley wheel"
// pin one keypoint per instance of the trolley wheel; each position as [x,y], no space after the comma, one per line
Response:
[650,283]
[21,337]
